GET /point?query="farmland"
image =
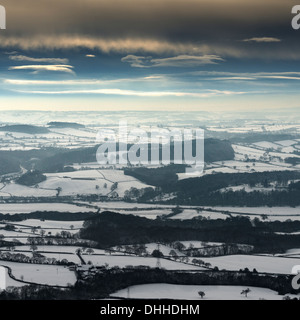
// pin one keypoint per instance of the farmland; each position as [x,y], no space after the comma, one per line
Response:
[81,220]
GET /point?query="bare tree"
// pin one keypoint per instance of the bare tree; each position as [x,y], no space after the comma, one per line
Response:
[246,292]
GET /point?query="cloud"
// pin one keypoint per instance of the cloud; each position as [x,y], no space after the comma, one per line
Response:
[178,61]
[106,45]
[40,68]
[38,60]
[153,94]
[171,27]
[138,61]
[174,20]
[81,82]
[262,39]
[142,47]
[246,76]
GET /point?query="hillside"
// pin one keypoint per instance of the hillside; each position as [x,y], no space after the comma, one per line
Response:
[24,128]
[31,178]
[217,150]
[8,165]
[73,125]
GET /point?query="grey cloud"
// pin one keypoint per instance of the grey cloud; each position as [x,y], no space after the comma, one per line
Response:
[178,61]
[167,19]
[262,39]
[47,60]
[135,26]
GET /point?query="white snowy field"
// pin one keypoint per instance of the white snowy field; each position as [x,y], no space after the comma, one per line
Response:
[14,189]
[185,292]
[90,182]
[188,214]
[72,183]
[286,146]
[287,143]
[254,127]
[48,224]
[16,234]
[265,264]
[125,261]
[121,205]
[13,208]
[241,167]
[276,211]
[266,145]
[42,274]
[254,153]
[9,282]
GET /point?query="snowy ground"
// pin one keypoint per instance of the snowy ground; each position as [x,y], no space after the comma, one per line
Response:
[13,208]
[49,224]
[43,274]
[71,184]
[273,214]
[125,261]
[184,292]
[267,264]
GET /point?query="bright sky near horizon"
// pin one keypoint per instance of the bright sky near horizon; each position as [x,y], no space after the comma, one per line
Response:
[149,55]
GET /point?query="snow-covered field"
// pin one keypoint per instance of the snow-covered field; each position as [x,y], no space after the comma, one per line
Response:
[273,213]
[9,282]
[254,153]
[121,205]
[124,261]
[79,182]
[267,264]
[42,274]
[49,224]
[192,213]
[260,210]
[241,166]
[13,208]
[184,292]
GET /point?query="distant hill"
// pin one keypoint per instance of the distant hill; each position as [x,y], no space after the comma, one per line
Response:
[265,136]
[24,128]
[54,159]
[63,158]
[73,125]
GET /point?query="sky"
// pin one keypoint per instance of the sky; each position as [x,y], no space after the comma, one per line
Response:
[208,55]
